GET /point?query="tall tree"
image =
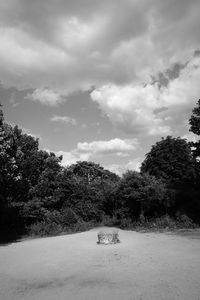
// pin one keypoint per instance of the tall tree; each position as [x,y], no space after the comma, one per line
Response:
[195,128]
[43,196]
[21,165]
[140,195]
[195,119]
[171,160]
[8,169]
[91,190]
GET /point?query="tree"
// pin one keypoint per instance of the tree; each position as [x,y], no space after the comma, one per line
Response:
[90,173]
[23,169]
[195,128]
[91,189]
[195,119]
[8,170]
[43,197]
[81,190]
[171,160]
[140,195]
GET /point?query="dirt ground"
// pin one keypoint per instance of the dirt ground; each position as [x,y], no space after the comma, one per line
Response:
[144,266]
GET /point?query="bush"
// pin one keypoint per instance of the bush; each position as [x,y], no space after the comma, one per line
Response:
[110,221]
[126,223]
[45,229]
[81,225]
[68,217]
[164,222]
[185,220]
[167,222]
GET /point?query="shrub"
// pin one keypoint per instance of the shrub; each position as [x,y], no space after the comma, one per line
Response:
[185,220]
[167,222]
[110,221]
[126,223]
[68,217]
[81,225]
[45,229]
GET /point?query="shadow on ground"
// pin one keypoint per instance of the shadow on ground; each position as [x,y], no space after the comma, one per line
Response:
[10,236]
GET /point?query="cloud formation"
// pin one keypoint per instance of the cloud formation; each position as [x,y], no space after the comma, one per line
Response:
[120,48]
[119,169]
[86,151]
[69,46]
[64,119]
[152,109]
[115,146]
[46,96]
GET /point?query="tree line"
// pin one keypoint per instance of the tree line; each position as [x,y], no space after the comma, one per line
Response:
[38,195]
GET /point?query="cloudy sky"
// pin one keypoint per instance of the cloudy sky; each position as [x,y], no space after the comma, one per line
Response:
[100,80]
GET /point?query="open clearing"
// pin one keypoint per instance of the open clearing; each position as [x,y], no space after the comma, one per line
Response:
[143,266]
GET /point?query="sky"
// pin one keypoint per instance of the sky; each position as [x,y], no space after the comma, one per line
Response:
[100,80]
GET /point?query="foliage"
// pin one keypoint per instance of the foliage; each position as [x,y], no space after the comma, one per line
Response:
[8,170]
[195,128]
[68,217]
[140,195]
[195,119]
[45,229]
[171,160]
[90,189]
[37,194]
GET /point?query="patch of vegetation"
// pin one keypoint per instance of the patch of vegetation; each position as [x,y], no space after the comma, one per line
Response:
[40,197]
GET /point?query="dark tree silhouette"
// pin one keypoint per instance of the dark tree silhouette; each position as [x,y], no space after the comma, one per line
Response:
[140,195]
[195,128]
[171,160]
[195,119]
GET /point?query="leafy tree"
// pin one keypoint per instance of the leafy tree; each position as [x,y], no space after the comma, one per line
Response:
[21,166]
[195,119]
[195,128]
[8,170]
[91,188]
[90,172]
[80,190]
[140,195]
[43,196]
[171,160]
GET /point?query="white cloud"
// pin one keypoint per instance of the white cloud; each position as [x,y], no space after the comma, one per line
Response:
[115,146]
[46,96]
[13,101]
[64,119]
[116,47]
[71,157]
[131,108]
[151,109]
[190,137]
[86,151]
[119,169]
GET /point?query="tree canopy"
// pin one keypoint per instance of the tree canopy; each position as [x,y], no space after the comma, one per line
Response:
[141,194]
[195,128]
[171,160]
[195,119]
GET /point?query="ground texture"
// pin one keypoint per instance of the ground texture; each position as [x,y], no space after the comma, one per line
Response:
[144,266]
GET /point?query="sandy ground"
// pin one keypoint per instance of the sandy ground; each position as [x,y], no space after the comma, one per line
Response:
[72,267]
